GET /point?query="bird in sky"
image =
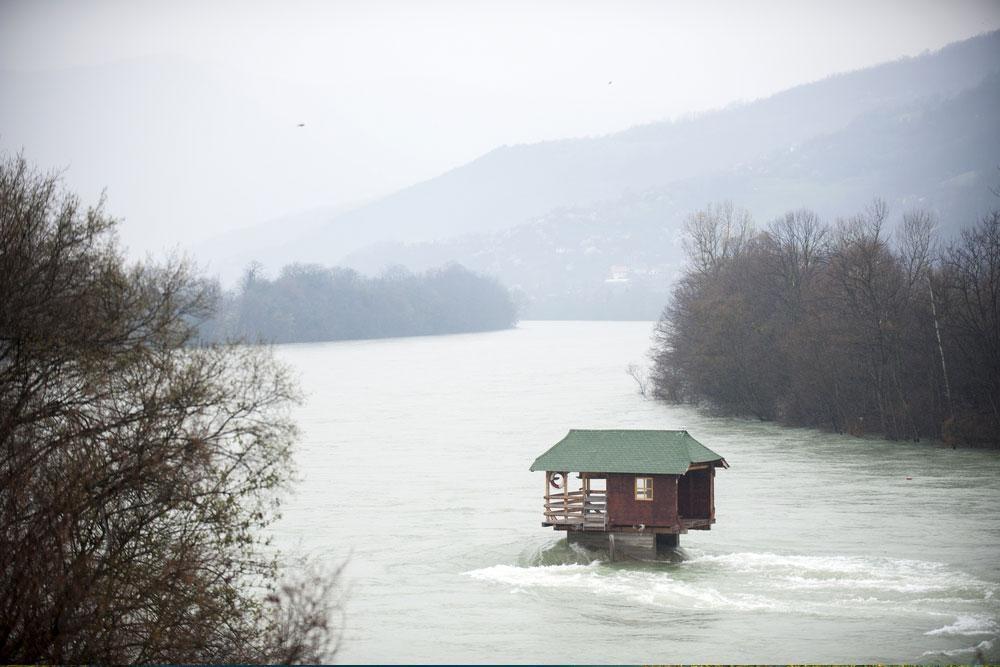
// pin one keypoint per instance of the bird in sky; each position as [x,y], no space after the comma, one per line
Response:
[301,125]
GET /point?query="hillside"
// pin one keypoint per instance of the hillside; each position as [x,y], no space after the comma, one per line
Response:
[615,259]
[512,185]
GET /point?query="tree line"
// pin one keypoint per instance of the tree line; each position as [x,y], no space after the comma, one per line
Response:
[307,303]
[139,471]
[849,326]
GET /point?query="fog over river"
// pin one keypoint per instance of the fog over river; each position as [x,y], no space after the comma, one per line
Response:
[414,462]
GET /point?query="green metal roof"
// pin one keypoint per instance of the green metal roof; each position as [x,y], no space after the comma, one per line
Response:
[626,451]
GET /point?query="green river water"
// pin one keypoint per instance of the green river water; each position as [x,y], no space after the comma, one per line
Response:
[414,467]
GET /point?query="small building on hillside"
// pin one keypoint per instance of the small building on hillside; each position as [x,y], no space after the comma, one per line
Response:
[617,274]
[634,491]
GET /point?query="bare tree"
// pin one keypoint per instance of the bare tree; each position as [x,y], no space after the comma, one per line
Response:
[802,242]
[635,372]
[838,327]
[971,278]
[915,239]
[138,471]
[918,250]
[716,234]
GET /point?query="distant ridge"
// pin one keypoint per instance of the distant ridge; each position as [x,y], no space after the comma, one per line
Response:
[514,184]
[615,259]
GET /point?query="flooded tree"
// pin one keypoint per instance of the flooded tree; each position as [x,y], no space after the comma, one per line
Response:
[845,327]
[137,471]
[969,280]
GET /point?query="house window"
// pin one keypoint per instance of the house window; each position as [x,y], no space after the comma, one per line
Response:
[643,488]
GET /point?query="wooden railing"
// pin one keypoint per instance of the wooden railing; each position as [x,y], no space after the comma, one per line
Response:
[587,510]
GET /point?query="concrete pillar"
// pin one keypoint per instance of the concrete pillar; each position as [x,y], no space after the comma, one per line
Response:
[618,546]
[594,541]
[667,541]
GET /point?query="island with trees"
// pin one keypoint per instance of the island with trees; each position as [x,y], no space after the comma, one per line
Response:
[310,303]
[846,326]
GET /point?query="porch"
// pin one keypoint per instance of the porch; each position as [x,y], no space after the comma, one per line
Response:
[584,509]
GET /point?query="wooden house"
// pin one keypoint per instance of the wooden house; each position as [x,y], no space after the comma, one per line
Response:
[618,487]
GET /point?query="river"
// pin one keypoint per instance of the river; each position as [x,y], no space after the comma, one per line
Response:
[414,467]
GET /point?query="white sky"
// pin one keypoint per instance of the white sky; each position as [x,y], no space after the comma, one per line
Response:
[396,92]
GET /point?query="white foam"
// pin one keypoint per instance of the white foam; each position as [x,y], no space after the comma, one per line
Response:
[645,587]
[679,594]
[548,576]
[768,582]
[797,572]
[968,626]
[843,565]
[896,584]
[984,645]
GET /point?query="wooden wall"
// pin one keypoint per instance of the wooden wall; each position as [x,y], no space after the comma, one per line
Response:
[625,510]
[695,494]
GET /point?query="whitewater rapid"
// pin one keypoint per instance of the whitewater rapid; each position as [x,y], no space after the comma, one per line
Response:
[947,601]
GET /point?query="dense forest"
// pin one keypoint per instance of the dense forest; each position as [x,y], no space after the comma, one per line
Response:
[847,326]
[308,303]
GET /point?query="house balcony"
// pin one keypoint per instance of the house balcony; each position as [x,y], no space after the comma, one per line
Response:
[577,510]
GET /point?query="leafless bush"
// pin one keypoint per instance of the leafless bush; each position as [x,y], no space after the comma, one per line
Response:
[635,372]
[306,615]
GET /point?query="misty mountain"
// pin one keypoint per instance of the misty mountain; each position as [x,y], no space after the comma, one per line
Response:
[512,185]
[616,259]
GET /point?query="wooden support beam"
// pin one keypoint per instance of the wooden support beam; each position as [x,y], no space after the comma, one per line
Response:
[566,487]
[547,484]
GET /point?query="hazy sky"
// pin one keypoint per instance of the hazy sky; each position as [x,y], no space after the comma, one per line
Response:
[396,92]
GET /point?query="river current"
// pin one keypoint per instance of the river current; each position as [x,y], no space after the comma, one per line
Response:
[414,463]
